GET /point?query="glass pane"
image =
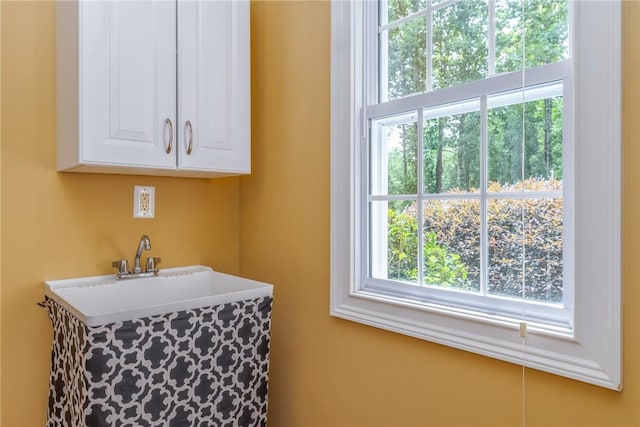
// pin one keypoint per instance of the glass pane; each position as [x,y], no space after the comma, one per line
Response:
[403,59]
[505,237]
[546,37]
[452,153]
[543,249]
[452,244]
[539,242]
[460,43]
[393,158]
[540,168]
[396,9]
[394,231]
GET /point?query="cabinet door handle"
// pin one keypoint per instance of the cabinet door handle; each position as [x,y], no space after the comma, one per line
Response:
[168,123]
[187,126]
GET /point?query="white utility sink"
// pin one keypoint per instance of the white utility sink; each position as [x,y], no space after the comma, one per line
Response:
[99,300]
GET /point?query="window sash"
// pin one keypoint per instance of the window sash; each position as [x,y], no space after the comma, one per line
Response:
[374,177]
[377,40]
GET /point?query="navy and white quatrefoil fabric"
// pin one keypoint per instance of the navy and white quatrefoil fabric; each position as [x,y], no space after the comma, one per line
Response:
[205,367]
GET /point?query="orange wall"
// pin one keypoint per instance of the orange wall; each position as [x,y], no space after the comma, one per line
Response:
[331,372]
[0,213]
[272,226]
[68,225]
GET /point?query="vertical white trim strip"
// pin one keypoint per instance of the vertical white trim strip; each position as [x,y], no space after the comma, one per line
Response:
[568,198]
[361,38]
[597,198]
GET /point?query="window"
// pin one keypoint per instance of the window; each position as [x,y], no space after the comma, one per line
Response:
[480,168]
[481,143]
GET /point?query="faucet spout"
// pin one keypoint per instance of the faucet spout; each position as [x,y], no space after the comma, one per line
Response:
[152,262]
[145,243]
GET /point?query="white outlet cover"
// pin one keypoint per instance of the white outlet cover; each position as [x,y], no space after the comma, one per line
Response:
[144,201]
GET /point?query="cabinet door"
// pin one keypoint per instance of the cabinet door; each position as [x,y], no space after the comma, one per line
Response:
[214,111]
[128,83]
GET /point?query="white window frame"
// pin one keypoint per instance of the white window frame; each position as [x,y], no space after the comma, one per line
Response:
[592,352]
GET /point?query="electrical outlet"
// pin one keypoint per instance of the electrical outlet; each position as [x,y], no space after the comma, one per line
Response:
[144,201]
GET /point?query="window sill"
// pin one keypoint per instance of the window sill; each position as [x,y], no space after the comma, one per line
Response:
[556,353]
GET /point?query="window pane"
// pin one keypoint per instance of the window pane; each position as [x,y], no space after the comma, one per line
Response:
[546,38]
[396,9]
[404,64]
[452,153]
[399,234]
[393,158]
[529,229]
[452,244]
[543,249]
[460,43]
[542,158]
[505,237]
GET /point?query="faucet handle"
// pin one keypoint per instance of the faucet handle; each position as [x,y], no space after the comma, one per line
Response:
[152,264]
[122,265]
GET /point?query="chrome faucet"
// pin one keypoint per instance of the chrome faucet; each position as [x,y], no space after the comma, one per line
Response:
[145,243]
[123,266]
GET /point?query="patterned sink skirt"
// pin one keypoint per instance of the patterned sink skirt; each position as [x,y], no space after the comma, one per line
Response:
[201,367]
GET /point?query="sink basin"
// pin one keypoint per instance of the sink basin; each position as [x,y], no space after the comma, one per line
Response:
[99,300]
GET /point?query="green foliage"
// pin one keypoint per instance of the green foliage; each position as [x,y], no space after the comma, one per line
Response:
[460,43]
[407,52]
[456,226]
[452,152]
[524,149]
[528,230]
[542,144]
[403,244]
[459,54]
[545,28]
[402,162]
[441,266]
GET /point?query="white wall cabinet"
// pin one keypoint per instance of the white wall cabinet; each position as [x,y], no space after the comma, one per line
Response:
[154,87]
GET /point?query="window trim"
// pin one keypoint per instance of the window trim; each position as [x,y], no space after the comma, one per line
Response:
[593,353]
